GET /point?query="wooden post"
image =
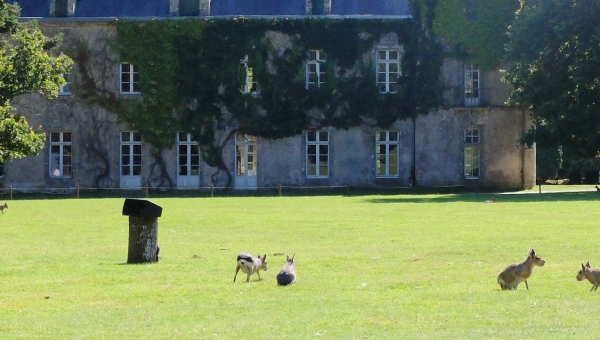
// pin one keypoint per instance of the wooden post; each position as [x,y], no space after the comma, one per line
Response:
[146,191]
[211,191]
[347,190]
[143,230]
[143,240]
[279,190]
[78,192]
[10,190]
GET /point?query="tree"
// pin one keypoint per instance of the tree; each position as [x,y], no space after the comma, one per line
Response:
[554,53]
[25,67]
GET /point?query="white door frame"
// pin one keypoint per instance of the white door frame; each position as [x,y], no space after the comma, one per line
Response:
[188,162]
[246,166]
[130,164]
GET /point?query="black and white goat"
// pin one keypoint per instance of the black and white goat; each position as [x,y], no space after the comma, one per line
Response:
[250,265]
[287,274]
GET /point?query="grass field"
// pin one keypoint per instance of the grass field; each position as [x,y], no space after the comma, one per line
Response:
[369,267]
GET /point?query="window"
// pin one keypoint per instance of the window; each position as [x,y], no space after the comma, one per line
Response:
[130,79]
[318,7]
[388,70]
[245,154]
[471,84]
[188,155]
[470,10]
[189,8]
[66,89]
[315,68]
[387,153]
[472,166]
[248,84]
[317,154]
[131,153]
[60,154]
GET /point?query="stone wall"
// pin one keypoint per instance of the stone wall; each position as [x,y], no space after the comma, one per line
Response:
[434,144]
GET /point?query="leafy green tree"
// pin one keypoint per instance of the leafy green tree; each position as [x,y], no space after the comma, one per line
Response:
[554,53]
[25,67]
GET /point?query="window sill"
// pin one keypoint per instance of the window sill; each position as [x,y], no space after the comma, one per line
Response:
[254,94]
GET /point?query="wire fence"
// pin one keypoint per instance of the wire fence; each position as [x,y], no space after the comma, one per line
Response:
[12,193]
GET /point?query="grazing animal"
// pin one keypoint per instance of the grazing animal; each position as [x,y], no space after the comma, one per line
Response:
[591,274]
[2,207]
[597,189]
[250,265]
[511,276]
[287,274]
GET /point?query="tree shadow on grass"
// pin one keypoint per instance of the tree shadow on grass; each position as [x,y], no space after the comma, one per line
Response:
[489,198]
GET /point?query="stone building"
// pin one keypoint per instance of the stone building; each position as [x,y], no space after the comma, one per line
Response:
[471,141]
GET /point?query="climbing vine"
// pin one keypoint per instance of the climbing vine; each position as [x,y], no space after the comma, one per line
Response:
[191,75]
[475,29]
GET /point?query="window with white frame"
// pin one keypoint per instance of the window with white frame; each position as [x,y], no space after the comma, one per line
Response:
[317,154]
[188,155]
[388,69]
[472,153]
[66,89]
[315,68]
[472,83]
[249,85]
[387,150]
[130,79]
[131,153]
[61,154]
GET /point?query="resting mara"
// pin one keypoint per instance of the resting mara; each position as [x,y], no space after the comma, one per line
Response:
[287,274]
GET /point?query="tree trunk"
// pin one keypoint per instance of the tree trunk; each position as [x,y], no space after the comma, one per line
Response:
[143,239]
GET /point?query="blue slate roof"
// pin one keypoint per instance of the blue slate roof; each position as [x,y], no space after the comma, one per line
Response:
[33,8]
[160,8]
[121,8]
[257,7]
[374,7]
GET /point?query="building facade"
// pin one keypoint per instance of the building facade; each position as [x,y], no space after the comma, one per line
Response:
[471,141]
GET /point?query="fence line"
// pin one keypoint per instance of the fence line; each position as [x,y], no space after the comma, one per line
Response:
[146,191]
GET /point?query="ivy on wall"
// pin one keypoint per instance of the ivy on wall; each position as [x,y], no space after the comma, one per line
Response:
[191,76]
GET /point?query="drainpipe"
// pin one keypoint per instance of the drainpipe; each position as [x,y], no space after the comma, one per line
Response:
[413,171]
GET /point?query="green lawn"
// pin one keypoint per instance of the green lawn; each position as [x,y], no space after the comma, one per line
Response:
[369,267]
